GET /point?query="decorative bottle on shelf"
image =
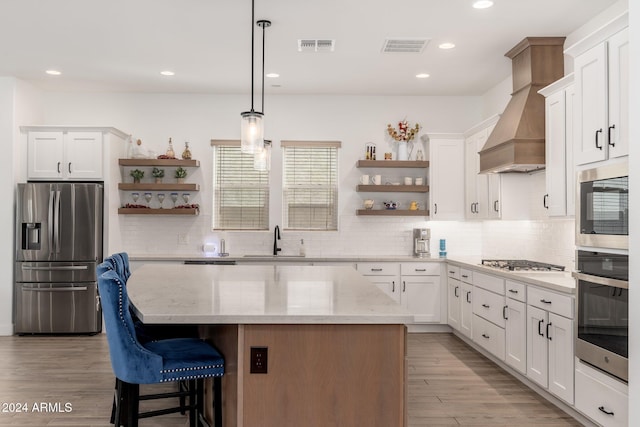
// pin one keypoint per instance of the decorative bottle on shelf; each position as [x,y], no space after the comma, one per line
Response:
[443,248]
[129,153]
[170,153]
[186,154]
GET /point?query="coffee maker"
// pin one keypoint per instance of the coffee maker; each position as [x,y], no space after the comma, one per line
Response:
[421,238]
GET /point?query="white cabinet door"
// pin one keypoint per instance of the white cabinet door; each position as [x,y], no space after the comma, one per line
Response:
[618,131]
[561,368]
[446,169]
[494,194]
[65,155]
[45,155]
[591,105]
[421,296]
[83,155]
[516,335]
[556,177]
[466,310]
[570,103]
[537,346]
[477,187]
[454,291]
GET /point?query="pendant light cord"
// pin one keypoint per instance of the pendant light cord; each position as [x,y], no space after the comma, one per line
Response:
[252,21]
[263,37]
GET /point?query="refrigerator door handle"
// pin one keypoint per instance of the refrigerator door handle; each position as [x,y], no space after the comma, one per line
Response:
[50,222]
[63,267]
[67,289]
[56,221]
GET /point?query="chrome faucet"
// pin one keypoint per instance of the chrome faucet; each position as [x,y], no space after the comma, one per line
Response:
[276,237]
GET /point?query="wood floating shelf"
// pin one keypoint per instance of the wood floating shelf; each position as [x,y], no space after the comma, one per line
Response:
[158,187]
[393,163]
[390,212]
[159,162]
[145,211]
[393,188]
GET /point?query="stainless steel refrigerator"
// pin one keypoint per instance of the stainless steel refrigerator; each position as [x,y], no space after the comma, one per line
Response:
[58,245]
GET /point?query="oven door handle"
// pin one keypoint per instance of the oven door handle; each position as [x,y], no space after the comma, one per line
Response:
[601,280]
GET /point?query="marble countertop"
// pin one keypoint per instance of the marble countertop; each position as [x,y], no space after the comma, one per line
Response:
[253,294]
[560,281]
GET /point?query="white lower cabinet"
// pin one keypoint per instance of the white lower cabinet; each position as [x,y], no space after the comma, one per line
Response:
[414,285]
[516,335]
[420,290]
[600,397]
[466,310]
[550,343]
[489,336]
[454,291]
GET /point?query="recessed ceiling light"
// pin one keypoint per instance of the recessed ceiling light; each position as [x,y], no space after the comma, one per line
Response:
[422,75]
[482,4]
[272,75]
[167,73]
[53,72]
[446,45]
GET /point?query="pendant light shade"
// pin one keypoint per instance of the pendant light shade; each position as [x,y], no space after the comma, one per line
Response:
[251,132]
[262,159]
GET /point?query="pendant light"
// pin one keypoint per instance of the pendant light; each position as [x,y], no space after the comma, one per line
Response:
[262,156]
[251,124]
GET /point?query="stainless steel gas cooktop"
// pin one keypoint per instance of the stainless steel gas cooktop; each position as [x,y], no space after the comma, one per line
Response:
[520,265]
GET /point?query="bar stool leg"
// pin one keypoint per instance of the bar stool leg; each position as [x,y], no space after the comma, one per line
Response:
[217,401]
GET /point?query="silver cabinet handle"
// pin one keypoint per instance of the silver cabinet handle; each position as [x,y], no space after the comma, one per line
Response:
[56,221]
[67,289]
[64,267]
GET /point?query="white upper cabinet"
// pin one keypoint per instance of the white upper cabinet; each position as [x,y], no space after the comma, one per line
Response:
[482,191]
[559,199]
[446,168]
[61,155]
[602,98]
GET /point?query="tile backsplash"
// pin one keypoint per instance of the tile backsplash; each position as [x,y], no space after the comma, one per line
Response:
[549,241]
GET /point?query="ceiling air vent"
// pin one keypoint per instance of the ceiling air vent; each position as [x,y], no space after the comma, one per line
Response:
[316,45]
[398,45]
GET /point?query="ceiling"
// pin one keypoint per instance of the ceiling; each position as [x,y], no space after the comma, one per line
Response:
[122,45]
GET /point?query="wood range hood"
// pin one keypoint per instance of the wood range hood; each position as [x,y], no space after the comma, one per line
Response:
[517,141]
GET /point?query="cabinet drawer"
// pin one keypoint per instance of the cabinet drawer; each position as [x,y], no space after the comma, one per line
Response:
[420,268]
[516,290]
[550,301]
[453,271]
[466,275]
[594,398]
[379,268]
[489,336]
[489,306]
[490,283]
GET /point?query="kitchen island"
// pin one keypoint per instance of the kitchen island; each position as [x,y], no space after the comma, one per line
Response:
[336,344]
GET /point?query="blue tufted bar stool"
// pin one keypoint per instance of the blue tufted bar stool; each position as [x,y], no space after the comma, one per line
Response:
[135,363]
[119,262]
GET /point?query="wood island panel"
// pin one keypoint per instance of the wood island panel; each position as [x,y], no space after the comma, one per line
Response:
[322,375]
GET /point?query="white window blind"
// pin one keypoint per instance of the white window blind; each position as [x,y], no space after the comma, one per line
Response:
[240,193]
[310,185]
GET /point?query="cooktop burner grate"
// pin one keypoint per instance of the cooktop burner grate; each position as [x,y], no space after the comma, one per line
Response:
[521,265]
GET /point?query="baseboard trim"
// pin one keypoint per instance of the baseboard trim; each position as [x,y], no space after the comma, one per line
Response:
[6,329]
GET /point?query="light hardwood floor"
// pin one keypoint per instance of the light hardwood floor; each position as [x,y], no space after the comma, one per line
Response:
[449,384]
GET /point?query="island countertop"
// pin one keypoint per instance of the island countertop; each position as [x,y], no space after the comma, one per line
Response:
[256,294]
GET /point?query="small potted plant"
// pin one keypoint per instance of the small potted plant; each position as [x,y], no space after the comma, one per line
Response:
[158,174]
[180,174]
[137,175]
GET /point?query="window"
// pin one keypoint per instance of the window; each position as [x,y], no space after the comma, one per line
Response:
[240,193]
[310,185]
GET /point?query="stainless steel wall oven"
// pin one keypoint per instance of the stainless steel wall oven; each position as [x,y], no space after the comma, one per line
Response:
[603,308]
[602,211]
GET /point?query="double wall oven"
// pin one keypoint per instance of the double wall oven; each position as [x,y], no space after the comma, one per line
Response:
[602,269]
